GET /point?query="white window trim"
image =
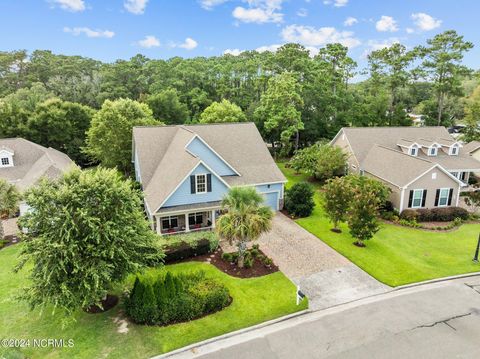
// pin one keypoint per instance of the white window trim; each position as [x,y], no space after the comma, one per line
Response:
[421,198]
[169,219]
[440,196]
[196,183]
[435,151]
[413,151]
[10,161]
[456,147]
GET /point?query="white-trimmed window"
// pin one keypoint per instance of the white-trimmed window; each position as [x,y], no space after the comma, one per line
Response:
[417,198]
[201,183]
[169,222]
[5,161]
[432,151]
[414,150]
[443,197]
[454,150]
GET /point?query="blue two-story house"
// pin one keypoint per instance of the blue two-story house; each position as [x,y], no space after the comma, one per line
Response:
[186,170]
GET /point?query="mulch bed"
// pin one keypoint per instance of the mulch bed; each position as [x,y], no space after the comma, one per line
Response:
[107,303]
[257,270]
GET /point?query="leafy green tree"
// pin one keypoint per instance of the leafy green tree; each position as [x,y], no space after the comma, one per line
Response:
[13,68]
[321,161]
[109,139]
[299,200]
[279,110]
[337,200]
[392,64]
[167,107]
[246,217]
[86,231]
[61,125]
[9,199]
[442,65]
[472,118]
[224,111]
[17,108]
[367,195]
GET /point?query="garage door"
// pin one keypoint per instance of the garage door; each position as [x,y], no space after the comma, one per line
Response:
[271,199]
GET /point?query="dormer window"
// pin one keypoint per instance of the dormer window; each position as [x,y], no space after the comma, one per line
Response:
[6,158]
[454,150]
[433,151]
[5,161]
[413,151]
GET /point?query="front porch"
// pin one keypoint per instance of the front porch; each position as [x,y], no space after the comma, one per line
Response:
[185,220]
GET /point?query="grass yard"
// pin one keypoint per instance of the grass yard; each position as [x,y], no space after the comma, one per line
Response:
[397,255]
[96,335]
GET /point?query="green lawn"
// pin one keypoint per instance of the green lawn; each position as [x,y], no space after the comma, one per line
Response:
[254,301]
[398,255]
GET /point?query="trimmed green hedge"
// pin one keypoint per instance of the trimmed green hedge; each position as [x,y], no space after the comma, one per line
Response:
[171,299]
[188,245]
[444,214]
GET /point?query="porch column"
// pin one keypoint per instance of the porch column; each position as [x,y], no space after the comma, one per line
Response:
[213,218]
[159,230]
[187,226]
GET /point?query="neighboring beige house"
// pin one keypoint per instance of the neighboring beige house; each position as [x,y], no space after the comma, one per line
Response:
[425,167]
[24,163]
[473,148]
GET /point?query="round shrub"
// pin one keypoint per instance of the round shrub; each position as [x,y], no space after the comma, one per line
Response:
[409,215]
[299,200]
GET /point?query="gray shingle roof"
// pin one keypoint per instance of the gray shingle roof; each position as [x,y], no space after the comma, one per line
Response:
[32,162]
[471,146]
[164,162]
[384,163]
[378,151]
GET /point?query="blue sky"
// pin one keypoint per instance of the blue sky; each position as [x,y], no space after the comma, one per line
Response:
[112,29]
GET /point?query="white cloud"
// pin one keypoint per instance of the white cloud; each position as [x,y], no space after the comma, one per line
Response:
[259,11]
[302,12]
[234,52]
[387,23]
[188,44]
[425,22]
[70,5]
[136,7]
[374,45]
[271,48]
[310,36]
[149,41]
[350,21]
[409,30]
[89,32]
[336,3]
[210,4]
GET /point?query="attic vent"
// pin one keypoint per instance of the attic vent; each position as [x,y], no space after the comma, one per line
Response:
[434,175]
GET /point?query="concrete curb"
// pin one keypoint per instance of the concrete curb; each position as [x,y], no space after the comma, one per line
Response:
[232,334]
[437,280]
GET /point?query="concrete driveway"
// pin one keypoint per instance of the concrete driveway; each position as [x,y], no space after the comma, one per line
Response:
[327,277]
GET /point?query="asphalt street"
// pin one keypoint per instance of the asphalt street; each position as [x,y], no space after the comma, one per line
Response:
[436,320]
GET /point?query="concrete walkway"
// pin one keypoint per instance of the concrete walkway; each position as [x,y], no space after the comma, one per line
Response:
[327,277]
[434,320]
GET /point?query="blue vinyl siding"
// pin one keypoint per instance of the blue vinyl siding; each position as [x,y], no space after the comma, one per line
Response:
[199,149]
[183,196]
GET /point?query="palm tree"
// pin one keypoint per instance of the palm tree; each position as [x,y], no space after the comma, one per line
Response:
[245,218]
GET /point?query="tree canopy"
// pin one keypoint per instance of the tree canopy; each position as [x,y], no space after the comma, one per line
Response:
[223,111]
[86,231]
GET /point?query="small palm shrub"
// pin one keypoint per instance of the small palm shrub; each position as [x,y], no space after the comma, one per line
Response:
[299,200]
